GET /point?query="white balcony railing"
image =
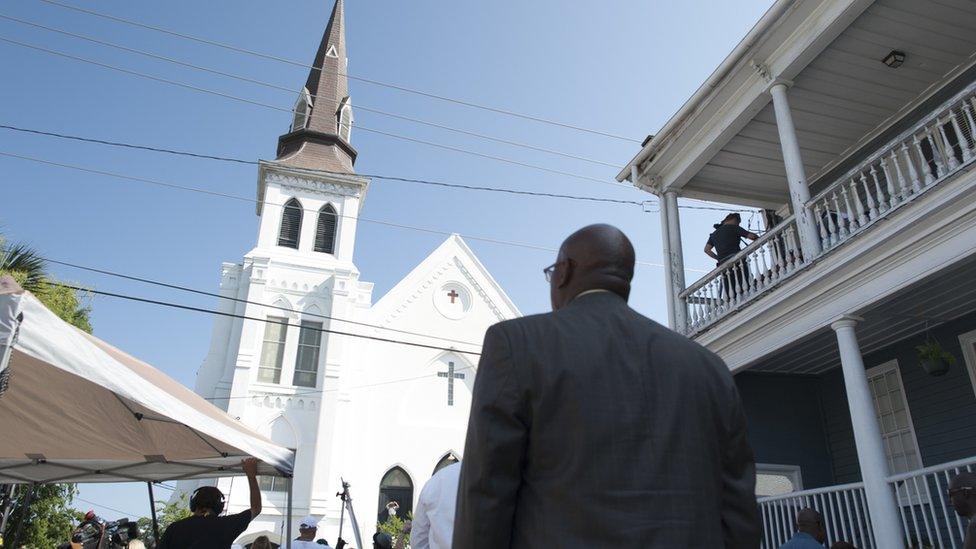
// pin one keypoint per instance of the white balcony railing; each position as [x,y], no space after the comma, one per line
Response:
[928,519]
[937,147]
[763,263]
[844,510]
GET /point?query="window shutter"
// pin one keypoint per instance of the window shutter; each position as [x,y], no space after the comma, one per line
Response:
[291,224]
[325,231]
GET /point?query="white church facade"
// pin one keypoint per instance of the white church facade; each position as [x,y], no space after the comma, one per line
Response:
[375,393]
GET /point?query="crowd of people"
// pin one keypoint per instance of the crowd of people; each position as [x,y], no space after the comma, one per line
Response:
[590,426]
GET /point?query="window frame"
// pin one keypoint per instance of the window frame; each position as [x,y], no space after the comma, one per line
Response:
[880,370]
[327,209]
[284,323]
[298,354]
[794,472]
[304,99]
[967,341]
[345,109]
[291,204]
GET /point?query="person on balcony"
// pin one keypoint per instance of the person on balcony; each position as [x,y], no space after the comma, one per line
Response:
[810,531]
[723,244]
[962,495]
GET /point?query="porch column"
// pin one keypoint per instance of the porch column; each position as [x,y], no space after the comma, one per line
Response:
[885,522]
[795,175]
[668,271]
[675,258]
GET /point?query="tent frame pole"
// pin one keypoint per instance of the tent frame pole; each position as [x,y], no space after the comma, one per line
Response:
[152,509]
[288,516]
[23,518]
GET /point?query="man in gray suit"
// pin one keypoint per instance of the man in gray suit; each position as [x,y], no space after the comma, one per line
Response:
[593,426]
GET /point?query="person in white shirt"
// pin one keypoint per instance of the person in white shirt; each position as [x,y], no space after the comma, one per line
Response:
[433,519]
[307,529]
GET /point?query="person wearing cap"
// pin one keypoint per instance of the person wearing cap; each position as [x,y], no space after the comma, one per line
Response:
[724,243]
[307,529]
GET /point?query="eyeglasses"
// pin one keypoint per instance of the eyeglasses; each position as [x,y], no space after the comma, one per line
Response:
[548,271]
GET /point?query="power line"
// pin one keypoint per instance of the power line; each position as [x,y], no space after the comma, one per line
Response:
[290,111]
[254,201]
[265,320]
[239,300]
[644,203]
[291,91]
[351,77]
[99,505]
[325,172]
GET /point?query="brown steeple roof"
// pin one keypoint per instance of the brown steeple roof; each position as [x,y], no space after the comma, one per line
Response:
[319,145]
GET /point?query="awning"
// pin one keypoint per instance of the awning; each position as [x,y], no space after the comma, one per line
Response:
[77,409]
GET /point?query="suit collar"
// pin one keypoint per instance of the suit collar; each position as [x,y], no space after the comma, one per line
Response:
[597,296]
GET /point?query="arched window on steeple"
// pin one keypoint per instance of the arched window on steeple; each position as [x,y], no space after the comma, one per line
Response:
[345,119]
[325,230]
[291,224]
[302,108]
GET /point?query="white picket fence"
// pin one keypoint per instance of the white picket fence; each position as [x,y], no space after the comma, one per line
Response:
[844,509]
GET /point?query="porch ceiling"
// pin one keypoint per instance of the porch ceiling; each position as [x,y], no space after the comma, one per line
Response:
[943,296]
[844,95]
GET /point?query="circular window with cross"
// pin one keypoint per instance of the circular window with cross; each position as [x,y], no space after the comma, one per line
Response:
[452,300]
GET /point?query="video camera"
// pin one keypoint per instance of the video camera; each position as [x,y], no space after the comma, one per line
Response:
[97,533]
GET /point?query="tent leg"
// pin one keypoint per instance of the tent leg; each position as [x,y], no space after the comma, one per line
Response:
[152,509]
[23,518]
[288,517]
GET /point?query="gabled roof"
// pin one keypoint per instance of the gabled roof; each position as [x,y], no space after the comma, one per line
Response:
[453,250]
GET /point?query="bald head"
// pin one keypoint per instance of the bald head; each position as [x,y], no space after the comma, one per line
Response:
[810,522]
[962,494]
[596,257]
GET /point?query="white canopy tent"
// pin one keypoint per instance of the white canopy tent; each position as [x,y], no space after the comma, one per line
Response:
[76,409]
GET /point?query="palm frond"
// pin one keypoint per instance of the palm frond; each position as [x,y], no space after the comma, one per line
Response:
[23,263]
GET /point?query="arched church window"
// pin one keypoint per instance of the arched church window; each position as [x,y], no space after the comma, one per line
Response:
[284,434]
[449,459]
[396,487]
[302,108]
[325,231]
[291,224]
[345,120]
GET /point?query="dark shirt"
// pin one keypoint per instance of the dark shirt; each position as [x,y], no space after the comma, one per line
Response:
[209,532]
[725,239]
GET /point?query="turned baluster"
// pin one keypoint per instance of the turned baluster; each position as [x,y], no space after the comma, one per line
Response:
[902,182]
[926,169]
[967,109]
[824,237]
[950,153]
[862,218]
[765,273]
[960,138]
[872,207]
[912,172]
[940,166]
[852,224]
[841,223]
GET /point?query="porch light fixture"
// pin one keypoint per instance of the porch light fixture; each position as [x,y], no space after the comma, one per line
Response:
[894,59]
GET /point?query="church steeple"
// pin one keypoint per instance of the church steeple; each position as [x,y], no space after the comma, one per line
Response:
[321,127]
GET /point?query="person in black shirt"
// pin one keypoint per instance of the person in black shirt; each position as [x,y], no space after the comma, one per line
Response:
[724,243]
[205,528]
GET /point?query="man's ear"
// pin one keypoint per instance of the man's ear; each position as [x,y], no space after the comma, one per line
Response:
[566,274]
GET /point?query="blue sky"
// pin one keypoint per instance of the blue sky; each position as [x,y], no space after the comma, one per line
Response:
[619,66]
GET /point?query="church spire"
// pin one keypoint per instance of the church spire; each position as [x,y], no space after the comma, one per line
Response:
[320,131]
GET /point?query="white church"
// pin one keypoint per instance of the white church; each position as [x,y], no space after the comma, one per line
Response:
[376,393]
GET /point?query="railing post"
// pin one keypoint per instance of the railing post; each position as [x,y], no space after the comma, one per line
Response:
[675,258]
[867,437]
[795,174]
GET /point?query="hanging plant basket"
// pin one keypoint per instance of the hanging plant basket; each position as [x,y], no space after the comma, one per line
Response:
[934,359]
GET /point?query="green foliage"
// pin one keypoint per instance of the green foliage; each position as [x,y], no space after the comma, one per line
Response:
[932,351]
[28,269]
[394,527]
[166,514]
[49,520]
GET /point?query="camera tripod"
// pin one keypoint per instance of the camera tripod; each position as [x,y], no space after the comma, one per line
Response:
[347,505]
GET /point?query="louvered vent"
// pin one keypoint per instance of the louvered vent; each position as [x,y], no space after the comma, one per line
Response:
[291,224]
[325,231]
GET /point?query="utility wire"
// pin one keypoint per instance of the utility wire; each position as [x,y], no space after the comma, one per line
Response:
[351,77]
[644,203]
[314,97]
[99,505]
[291,111]
[254,201]
[265,320]
[239,300]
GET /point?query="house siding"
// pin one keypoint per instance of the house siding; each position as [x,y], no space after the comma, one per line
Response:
[786,423]
[943,408]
